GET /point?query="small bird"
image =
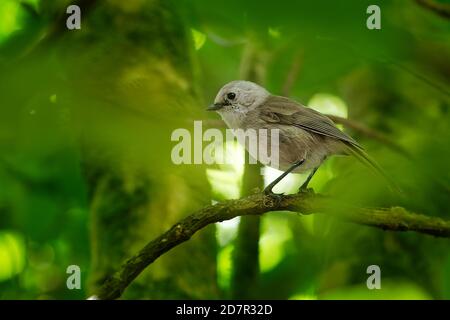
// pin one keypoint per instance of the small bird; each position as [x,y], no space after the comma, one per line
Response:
[306,137]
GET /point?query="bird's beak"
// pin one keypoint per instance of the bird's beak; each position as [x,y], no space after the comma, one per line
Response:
[216,106]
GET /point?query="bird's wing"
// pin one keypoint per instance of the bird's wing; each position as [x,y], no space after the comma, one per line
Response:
[283,110]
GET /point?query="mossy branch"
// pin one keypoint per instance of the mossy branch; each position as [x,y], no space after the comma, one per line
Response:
[394,219]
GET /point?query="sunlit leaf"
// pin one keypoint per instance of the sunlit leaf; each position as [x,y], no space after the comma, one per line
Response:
[12,254]
[328,104]
[10,17]
[199,39]
[274,32]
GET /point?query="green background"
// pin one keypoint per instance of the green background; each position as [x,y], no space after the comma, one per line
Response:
[85,122]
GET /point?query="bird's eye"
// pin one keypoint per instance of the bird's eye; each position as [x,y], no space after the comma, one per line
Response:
[231,95]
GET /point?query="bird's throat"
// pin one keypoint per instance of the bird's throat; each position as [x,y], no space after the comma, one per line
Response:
[233,120]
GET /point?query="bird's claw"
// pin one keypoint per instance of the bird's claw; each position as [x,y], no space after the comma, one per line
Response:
[306,190]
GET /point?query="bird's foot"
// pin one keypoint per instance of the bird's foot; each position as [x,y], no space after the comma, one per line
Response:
[272,199]
[306,190]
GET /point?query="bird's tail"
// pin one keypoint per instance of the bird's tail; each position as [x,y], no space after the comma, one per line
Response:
[366,160]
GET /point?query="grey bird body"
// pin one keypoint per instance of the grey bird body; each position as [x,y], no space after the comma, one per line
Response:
[296,142]
[304,134]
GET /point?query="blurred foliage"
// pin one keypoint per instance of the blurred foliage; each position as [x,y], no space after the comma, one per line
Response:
[394,80]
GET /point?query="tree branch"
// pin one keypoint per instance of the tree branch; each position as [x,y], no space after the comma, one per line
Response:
[395,219]
[441,9]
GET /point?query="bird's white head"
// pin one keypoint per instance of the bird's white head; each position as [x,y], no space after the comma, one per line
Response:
[239,96]
[236,98]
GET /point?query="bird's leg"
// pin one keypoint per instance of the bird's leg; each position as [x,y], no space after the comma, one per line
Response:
[304,186]
[268,189]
